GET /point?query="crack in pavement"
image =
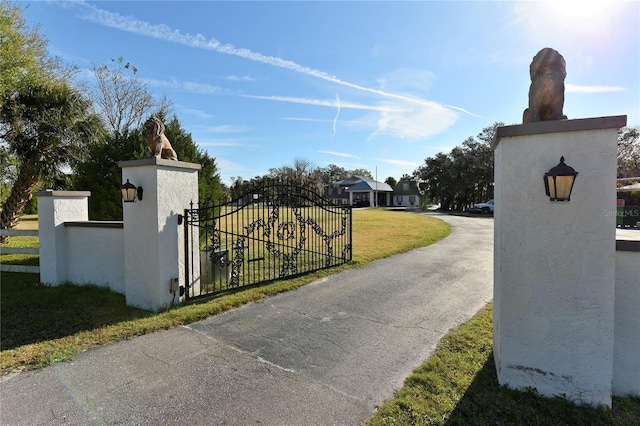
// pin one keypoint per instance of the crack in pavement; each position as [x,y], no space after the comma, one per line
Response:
[239,350]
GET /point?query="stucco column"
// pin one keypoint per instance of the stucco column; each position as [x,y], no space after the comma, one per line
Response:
[626,354]
[554,271]
[55,208]
[153,239]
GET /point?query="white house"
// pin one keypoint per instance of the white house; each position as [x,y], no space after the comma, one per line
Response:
[359,191]
[406,194]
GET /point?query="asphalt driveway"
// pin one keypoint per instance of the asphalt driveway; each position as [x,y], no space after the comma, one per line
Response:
[325,354]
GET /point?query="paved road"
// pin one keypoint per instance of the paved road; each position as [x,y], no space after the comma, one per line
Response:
[325,354]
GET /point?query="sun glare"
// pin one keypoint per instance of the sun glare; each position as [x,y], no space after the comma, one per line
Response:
[590,19]
[580,10]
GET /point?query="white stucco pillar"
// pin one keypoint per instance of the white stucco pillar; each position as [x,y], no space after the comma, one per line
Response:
[554,271]
[626,349]
[55,208]
[153,241]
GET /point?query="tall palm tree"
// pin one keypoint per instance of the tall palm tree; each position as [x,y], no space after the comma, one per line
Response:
[47,125]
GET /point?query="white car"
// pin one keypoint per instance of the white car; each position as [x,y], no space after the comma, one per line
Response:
[484,208]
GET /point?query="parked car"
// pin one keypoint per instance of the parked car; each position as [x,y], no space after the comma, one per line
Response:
[483,208]
[361,203]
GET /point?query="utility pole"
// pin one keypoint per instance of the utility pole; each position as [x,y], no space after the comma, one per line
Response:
[375,203]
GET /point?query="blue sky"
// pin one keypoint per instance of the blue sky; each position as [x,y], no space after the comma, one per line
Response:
[373,85]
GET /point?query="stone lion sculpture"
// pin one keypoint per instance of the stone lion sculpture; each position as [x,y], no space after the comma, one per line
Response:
[159,145]
[546,93]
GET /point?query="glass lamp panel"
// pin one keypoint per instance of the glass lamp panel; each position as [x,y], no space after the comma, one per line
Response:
[563,187]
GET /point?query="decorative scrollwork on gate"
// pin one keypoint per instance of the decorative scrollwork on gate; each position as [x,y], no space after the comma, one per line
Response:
[270,233]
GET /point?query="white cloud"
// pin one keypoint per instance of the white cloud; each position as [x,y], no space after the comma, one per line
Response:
[190,86]
[85,74]
[238,79]
[417,122]
[228,128]
[230,143]
[400,162]
[324,102]
[229,169]
[350,166]
[410,80]
[203,131]
[315,120]
[573,88]
[196,112]
[228,165]
[398,119]
[339,154]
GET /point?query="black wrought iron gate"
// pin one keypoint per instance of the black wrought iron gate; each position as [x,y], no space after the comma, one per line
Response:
[272,232]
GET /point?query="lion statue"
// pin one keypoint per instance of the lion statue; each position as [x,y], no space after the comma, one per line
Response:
[159,145]
[546,93]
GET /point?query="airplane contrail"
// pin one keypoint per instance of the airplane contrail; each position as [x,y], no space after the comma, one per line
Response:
[164,32]
[335,120]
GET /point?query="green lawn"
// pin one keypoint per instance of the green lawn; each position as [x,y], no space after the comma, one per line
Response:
[27,222]
[42,324]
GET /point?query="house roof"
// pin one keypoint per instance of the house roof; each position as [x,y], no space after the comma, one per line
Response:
[363,183]
[370,185]
[350,181]
[411,188]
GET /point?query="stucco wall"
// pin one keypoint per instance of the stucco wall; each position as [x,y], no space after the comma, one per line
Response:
[153,241]
[55,208]
[138,257]
[626,356]
[554,266]
[95,254]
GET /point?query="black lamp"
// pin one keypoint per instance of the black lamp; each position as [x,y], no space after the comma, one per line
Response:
[130,192]
[558,182]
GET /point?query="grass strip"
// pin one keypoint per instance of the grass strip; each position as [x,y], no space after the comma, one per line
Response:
[458,385]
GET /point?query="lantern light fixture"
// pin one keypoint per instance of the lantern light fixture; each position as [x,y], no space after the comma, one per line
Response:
[558,182]
[130,192]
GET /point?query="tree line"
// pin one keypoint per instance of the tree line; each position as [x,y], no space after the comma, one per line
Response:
[629,162]
[629,152]
[462,177]
[303,173]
